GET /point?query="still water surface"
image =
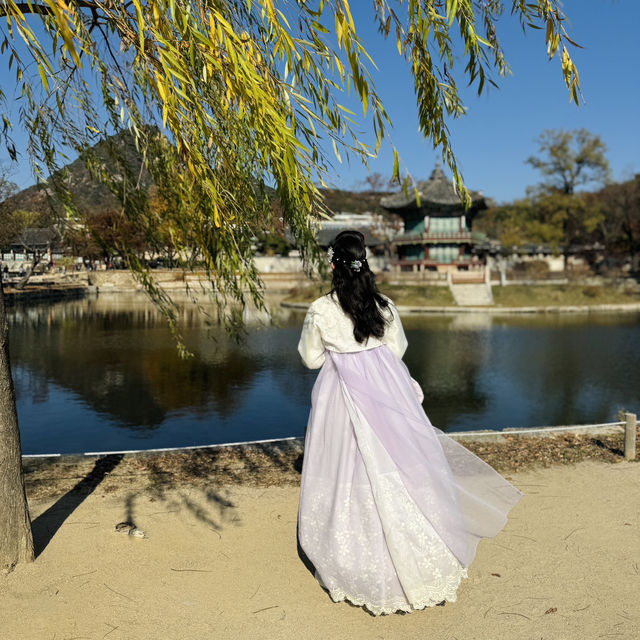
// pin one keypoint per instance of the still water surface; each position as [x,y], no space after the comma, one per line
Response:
[103,374]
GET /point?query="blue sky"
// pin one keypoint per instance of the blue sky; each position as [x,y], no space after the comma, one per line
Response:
[498,133]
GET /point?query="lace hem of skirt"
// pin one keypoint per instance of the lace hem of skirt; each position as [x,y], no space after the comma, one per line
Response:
[429,598]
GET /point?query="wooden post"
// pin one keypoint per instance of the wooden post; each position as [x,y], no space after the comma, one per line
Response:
[630,437]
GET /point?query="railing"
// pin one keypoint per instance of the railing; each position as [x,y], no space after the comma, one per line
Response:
[444,236]
[629,423]
[428,237]
[427,262]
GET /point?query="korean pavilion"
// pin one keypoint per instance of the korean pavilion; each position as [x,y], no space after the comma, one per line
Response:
[437,234]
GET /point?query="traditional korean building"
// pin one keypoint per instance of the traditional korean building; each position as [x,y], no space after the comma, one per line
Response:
[437,234]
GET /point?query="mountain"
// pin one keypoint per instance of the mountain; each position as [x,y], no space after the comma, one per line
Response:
[117,155]
[353,201]
[119,150]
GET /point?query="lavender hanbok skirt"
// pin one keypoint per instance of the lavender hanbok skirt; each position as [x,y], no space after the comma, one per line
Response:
[391,509]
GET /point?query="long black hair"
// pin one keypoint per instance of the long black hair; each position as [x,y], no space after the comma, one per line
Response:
[355,285]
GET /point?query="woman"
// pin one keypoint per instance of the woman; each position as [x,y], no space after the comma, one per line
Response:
[391,509]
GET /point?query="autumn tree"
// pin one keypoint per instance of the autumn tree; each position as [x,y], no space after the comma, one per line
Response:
[9,224]
[100,232]
[568,160]
[224,99]
[15,226]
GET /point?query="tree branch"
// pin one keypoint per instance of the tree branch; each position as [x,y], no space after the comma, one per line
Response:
[40,9]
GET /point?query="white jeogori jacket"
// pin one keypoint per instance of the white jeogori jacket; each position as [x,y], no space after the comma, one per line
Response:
[327,326]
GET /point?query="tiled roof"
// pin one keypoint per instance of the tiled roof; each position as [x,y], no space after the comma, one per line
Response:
[437,189]
[35,237]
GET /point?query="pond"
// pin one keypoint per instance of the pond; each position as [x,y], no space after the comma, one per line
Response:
[103,374]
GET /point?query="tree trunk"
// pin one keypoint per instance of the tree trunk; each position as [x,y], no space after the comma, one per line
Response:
[30,271]
[16,540]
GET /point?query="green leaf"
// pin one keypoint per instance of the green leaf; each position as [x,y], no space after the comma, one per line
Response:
[395,175]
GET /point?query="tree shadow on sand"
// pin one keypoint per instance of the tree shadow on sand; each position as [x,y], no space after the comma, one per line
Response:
[199,482]
[46,525]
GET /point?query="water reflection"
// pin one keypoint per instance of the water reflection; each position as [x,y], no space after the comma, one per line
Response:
[103,374]
[99,365]
[497,372]
[122,362]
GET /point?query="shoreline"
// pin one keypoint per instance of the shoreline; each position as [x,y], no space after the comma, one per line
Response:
[451,310]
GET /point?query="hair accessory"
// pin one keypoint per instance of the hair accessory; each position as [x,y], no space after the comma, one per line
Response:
[330,254]
[354,265]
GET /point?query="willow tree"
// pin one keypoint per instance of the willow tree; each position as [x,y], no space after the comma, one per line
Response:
[224,99]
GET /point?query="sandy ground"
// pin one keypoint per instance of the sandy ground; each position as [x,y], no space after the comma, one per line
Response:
[223,563]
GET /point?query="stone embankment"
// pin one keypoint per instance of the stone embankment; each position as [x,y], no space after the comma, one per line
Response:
[77,285]
[177,281]
[38,292]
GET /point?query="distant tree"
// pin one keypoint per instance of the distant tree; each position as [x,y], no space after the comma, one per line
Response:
[9,224]
[567,218]
[14,225]
[506,223]
[620,223]
[521,222]
[556,219]
[336,200]
[570,159]
[377,182]
[101,232]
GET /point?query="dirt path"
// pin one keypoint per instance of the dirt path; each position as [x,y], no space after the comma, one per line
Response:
[222,563]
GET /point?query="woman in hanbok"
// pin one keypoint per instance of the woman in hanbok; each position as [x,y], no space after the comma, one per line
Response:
[391,509]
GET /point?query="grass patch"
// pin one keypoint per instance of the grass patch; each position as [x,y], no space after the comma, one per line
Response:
[403,295]
[309,292]
[561,294]
[418,295]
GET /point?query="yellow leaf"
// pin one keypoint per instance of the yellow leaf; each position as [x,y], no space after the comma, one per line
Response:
[162,90]
[141,23]
[43,78]
[335,150]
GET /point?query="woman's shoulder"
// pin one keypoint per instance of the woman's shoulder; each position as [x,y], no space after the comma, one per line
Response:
[324,304]
[387,299]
